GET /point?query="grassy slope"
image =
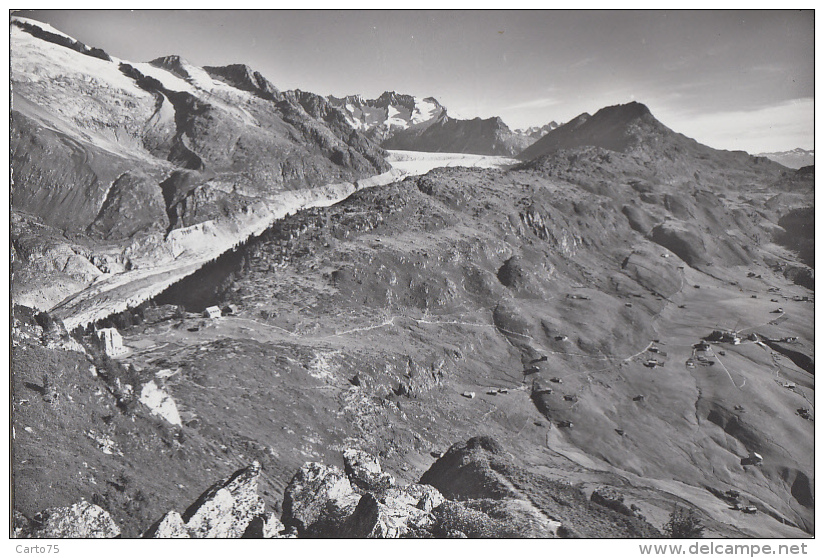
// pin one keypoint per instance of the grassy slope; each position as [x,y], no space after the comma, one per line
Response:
[411,304]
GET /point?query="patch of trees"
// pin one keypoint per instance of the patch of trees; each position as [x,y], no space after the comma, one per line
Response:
[684,524]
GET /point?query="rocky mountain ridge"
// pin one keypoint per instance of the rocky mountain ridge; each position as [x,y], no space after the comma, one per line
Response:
[794,159]
[537,132]
[405,122]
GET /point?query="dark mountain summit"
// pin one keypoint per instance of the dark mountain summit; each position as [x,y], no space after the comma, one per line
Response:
[641,149]
[391,98]
[245,78]
[616,128]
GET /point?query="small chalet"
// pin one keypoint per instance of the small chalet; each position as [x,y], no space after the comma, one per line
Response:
[212,312]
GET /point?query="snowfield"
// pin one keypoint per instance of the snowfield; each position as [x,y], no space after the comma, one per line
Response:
[34,59]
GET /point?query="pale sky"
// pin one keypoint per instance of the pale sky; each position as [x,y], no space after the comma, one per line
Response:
[730,79]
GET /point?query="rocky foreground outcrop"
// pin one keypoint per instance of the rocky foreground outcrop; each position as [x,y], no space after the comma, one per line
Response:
[475,490]
[228,510]
[79,521]
[362,502]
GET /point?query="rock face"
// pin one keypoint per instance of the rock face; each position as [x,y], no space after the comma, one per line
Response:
[266,526]
[391,519]
[79,521]
[318,499]
[390,113]
[364,471]
[225,510]
[170,526]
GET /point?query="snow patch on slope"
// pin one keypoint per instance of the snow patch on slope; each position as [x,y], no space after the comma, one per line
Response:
[392,119]
[424,110]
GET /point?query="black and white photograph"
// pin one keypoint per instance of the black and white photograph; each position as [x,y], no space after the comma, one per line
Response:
[414,274]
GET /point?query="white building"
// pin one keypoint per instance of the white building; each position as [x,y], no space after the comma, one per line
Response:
[212,312]
[110,341]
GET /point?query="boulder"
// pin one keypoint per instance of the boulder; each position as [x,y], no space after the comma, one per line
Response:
[227,508]
[372,520]
[318,500]
[170,526]
[402,512]
[266,526]
[79,521]
[230,508]
[421,496]
[363,502]
[364,471]
[160,403]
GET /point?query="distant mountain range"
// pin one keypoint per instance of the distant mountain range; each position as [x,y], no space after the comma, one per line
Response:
[537,132]
[794,159]
[406,122]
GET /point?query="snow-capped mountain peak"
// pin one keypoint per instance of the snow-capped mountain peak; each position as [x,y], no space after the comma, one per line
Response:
[390,112]
[794,159]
